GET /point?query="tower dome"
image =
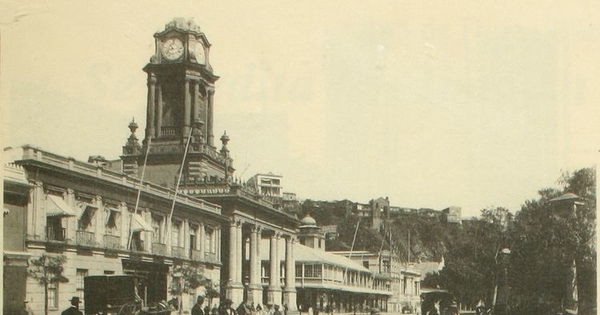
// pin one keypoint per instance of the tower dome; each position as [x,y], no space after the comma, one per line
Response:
[308,221]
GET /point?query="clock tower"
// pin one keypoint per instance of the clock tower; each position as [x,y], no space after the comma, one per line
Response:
[180,105]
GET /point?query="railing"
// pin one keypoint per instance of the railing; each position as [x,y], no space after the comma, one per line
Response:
[112,241]
[178,252]
[85,238]
[159,249]
[197,255]
[31,153]
[169,131]
[56,234]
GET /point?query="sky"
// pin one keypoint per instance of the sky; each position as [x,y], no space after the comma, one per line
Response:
[430,103]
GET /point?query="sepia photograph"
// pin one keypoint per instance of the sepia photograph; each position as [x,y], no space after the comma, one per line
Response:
[299,157]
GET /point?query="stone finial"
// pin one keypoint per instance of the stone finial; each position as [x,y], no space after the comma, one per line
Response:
[225,140]
[133,126]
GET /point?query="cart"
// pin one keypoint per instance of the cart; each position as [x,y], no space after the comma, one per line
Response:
[117,295]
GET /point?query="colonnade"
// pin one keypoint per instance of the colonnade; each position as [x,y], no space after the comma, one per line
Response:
[195,105]
[250,287]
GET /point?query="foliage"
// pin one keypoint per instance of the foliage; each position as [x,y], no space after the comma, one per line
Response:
[548,235]
[46,270]
[187,278]
[325,213]
[366,238]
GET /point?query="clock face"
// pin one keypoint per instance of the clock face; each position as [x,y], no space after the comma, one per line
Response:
[172,48]
[199,53]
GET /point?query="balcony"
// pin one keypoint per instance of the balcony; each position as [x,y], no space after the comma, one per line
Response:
[159,249]
[56,234]
[85,238]
[112,241]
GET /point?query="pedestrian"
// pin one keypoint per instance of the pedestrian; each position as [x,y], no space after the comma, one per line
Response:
[27,309]
[74,308]
[276,312]
[227,309]
[197,309]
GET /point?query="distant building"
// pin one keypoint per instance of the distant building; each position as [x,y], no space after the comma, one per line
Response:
[403,280]
[451,215]
[324,278]
[267,184]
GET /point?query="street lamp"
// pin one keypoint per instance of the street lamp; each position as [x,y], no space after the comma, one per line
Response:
[502,288]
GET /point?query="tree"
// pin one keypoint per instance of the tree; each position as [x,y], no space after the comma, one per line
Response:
[185,279]
[547,238]
[48,270]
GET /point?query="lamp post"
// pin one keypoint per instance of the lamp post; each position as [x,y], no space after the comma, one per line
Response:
[502,288]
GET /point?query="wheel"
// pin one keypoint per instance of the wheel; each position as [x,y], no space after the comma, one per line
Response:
[129,309]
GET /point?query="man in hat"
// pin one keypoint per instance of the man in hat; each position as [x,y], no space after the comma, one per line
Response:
[227,309]
[197,309]
[74,308]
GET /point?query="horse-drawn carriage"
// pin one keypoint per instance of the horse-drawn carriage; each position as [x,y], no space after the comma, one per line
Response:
[118,295]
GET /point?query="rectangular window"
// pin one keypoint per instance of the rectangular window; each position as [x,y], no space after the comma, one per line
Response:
[157,227]
[53,296]
[175,234]
[112,222]
[109,272]
[318,271]
[308,271]
[209,240]
[299,270]
[80,275]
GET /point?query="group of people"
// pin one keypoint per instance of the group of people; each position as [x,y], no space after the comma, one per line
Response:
[226,308]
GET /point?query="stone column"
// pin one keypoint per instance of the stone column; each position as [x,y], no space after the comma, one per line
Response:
[201,240]
[196,101]
[232,252]
[209,118]
[36,214]
[71,226]
[235,290]
[239,255]
[185,231]
[289,291]
[151,106]
[274,290]
[187,107]
[159,110]
[254,290]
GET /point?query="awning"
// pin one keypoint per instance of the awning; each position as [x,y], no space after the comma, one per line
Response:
[57,207]
[140,225]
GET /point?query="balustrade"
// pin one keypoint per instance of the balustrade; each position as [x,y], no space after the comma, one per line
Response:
[169,131]
[112,241]
[159,249]
[56,234]
[85,238]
